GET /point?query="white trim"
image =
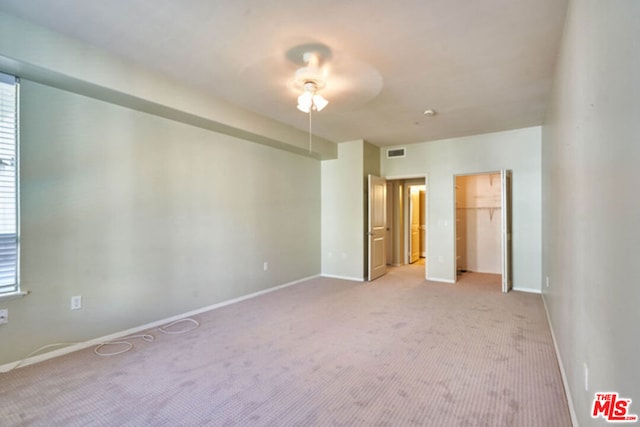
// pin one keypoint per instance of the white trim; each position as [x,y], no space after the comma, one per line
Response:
[563,374]
[528,290]
[96,341]
[438,279]
[18,192]
[13,295]
[333,276]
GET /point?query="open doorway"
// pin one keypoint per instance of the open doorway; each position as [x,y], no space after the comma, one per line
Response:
[483,225]
[416,226]
[407,221]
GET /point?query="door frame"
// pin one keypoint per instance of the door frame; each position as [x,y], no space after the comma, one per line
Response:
[425,181]
[506,228]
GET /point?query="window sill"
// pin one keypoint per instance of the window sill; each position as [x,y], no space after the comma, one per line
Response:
[13,295]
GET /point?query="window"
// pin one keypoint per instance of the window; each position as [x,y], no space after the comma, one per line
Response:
[9,235]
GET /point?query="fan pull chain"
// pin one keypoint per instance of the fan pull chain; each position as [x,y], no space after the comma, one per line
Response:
[310,135]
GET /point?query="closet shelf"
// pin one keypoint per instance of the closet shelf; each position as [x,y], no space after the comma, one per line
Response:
[491,210]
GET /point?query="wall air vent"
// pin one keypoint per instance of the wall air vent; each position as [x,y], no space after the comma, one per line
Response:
[392,153]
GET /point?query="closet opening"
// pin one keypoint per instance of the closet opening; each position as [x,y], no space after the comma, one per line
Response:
[483,225]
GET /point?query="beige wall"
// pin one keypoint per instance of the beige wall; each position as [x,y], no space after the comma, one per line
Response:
[518,150]
[146,197]
[591,232]
[147,218]
[343,219]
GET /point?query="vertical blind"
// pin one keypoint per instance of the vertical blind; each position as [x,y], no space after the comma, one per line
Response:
[8,184]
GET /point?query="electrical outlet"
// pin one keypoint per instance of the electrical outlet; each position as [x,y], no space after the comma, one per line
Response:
[76,302]
[4,316]
[586,377]
[547,281]
[265,266]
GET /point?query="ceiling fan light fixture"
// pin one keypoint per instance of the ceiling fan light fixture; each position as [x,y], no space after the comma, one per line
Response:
[305,102]
[319,102]
[311,79]
[310,100]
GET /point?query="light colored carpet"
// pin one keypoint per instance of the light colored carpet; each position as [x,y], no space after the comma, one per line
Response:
[396,352]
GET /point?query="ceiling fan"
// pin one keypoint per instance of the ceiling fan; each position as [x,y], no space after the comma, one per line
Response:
[351,81]
[312,76]
[311,79]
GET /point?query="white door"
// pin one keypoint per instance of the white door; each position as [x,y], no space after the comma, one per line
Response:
[377,227]
[415,226]
[507,271]
[423,224]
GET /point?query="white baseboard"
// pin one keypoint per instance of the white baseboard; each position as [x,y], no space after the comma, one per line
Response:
[528,290]
[71,347]
[438,279]
[333,276]
[563,373]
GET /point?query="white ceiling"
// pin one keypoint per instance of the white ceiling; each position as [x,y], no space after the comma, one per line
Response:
[483,65]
